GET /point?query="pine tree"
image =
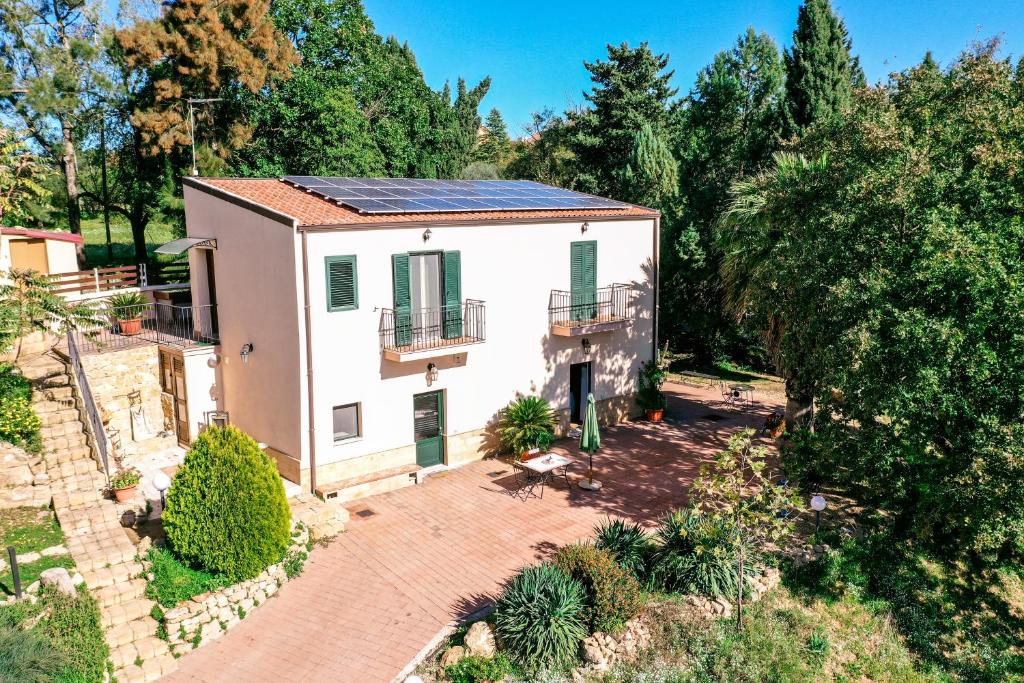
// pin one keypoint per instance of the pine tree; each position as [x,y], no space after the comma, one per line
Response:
[651,177]
[49,78]
[495,145]
[630,89]
[820,73]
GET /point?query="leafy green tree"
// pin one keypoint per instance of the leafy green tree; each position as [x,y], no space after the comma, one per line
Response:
[28,304]
[21,177]
[727,128]
[50,54]
[892,263]
[651,176]
[630,89]
[820,72]
[544,154]
[494,144]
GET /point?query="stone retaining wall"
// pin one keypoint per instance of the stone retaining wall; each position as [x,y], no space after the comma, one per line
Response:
[208,616]
[114,376]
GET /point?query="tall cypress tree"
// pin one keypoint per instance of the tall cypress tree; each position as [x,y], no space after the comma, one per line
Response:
[630,89]
[820,73]
[651,177]
[495,145]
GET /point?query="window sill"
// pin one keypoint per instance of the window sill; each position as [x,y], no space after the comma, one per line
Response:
[347,440]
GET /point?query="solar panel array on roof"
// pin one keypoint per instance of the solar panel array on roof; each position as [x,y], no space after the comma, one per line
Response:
[411,195]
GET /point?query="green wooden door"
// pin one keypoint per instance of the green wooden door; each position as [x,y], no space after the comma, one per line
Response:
[403,299]
[452,281]
[583,280]
[428,425]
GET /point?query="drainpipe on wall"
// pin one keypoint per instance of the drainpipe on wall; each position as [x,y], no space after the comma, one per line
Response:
[656,277]
[309,370]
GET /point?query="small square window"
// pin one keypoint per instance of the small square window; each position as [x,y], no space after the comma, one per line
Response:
[346,422]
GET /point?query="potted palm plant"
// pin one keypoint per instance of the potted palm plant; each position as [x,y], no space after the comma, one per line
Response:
[124,484]
[127,310]
[649,395]
[527,425]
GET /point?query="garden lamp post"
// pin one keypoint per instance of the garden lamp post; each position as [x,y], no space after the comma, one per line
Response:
[162,482]
[818,504]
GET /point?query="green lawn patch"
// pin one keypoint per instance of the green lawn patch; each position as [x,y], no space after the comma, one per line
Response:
[728,372]
[67,640]
[30,571]
[173,581]
[29,529]
[121,241]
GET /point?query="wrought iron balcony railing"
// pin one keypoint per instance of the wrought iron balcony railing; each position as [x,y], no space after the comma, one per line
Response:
[415,330]
[602,307]
[162,323]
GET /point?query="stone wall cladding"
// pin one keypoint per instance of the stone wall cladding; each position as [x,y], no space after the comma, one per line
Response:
[208,616]
[114,375]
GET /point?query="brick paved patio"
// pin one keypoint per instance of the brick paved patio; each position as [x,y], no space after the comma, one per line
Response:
[419,557]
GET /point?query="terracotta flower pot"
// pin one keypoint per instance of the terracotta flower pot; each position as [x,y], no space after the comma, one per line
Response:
[124,495]
[130,328]
[655,414]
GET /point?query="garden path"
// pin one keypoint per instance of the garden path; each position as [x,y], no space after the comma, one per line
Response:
[417,559]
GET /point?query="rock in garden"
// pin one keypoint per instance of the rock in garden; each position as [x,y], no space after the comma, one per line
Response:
[145,543]
[59,578]
[480,639]
[452,655]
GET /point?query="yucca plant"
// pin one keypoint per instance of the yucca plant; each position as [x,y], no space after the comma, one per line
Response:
[541,618]
[628,543]
[527,422]
[696,553]
[127,306]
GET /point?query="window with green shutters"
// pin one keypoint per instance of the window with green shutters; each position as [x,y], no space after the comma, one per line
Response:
[583,279]
[342,283]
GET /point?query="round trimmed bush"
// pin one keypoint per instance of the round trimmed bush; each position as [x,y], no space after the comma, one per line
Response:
[613,596]
[697,553]
[628,543]
[541,618]
[226,509]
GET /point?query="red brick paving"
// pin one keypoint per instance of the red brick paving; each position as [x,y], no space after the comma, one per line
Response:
[368,603]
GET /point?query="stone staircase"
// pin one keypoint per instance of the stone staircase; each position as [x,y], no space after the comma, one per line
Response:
[102,550]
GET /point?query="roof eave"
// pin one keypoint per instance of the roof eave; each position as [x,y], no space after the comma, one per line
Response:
[425,222]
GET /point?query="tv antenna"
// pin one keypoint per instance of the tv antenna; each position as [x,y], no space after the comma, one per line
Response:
[192,124]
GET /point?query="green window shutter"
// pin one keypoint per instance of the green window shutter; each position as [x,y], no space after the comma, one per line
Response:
[583,279]
[342,283]
[452,295]
[403,299]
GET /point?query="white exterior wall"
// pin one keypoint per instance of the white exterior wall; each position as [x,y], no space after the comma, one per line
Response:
[60,254]
[512,268]
[258,302]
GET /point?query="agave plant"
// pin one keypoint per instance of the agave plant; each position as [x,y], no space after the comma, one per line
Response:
[696,553]
[527,422]
[541,617]
[628,543]
[127,306]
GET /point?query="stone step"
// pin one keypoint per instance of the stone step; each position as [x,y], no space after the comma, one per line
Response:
[144,648]
[60,416]
[371,484]
[123,592]
[25,496]
[45,406]
[43,368]
[81,474]
[132,631]
[56,458]
[61,443]
[108,576]
[123,612]
[58,394]
[65,429]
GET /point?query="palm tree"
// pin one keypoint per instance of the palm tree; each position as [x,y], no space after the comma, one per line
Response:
[763,221]
[28,304]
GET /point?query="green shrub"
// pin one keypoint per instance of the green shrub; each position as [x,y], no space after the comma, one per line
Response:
[13,384]
[697,554]
[73,627]
[477,669]
[294,563]
[613,595]
[628,543]
[174,582]
[527,422]
[27,656]
[226,509]
[540,617]
[19,424]
[125,479]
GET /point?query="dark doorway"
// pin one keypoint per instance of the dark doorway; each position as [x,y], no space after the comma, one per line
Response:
[579,387]
[211,284]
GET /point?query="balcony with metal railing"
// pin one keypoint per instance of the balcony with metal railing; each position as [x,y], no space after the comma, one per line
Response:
[181,326]
[603,309]
[421,333]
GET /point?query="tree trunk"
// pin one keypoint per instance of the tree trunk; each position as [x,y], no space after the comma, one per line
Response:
[799,406]
[139,238]
[69,165]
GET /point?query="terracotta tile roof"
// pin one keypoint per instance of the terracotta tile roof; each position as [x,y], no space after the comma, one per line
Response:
[310,210]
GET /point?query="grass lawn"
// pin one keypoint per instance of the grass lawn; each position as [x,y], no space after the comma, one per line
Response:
[174,582]
[30,530]
[121,241]
[728,372]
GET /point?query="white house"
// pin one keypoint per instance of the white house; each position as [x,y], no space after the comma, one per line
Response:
[371,328]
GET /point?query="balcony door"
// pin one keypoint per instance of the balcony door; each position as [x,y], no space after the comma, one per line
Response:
[427,288]
[426,296]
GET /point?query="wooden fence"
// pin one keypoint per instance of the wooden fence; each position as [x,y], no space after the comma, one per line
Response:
[96,280]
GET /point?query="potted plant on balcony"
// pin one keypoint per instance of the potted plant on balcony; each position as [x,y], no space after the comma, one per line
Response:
[124,484]
[127,309]
[649,395]
[527,426]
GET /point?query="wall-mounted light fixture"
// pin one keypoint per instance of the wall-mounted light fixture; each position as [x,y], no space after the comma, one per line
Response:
[586,346]
[432,372]
[427,234]
[246,350]
[585,227]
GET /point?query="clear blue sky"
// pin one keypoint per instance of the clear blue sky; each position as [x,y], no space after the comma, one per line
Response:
[534,52]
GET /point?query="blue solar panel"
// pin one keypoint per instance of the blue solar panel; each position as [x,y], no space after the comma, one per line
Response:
[415,195]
